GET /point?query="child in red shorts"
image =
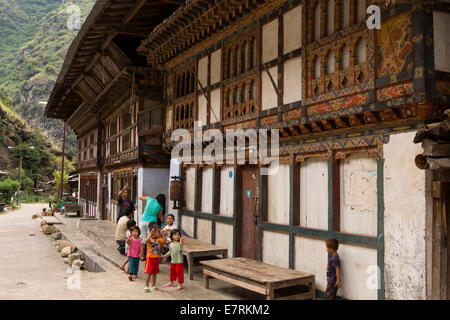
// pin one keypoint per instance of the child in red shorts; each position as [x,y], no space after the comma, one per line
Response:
[155,242]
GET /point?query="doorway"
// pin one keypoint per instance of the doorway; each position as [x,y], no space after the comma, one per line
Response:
[248,208]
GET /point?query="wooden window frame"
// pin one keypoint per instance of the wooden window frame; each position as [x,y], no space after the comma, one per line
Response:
[247,74]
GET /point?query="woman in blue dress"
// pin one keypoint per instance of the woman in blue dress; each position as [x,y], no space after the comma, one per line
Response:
[155,209]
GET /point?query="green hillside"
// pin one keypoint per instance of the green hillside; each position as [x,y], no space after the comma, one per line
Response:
[34,39]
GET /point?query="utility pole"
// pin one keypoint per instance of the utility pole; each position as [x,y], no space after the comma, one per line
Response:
[20,166]
[62,164]
[20,183]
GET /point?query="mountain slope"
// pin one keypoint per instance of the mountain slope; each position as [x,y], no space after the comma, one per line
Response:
[34,38]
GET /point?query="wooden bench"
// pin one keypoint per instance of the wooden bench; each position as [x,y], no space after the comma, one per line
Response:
[70,208]
[260,277]
[193,249]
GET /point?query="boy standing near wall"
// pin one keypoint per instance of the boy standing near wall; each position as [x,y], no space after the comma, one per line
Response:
[333,269]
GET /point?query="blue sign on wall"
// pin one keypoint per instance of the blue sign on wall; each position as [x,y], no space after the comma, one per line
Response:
[230,173]
[248,193]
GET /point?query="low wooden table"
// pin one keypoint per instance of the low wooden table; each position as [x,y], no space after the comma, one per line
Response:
[70,208]
[193,248]
[259,277]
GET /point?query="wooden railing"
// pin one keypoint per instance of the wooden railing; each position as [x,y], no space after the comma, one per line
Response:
[86,164]
[150,121]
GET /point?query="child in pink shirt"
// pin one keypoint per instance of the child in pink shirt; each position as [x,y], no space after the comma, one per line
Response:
[134,252]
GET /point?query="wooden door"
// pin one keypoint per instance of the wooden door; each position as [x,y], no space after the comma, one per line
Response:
[249,196]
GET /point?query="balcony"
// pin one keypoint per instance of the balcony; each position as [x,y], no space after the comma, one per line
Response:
[150,122]
[86,164]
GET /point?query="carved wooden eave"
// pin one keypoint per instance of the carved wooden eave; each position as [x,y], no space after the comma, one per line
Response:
[109,21]
[191,24]
[435,139]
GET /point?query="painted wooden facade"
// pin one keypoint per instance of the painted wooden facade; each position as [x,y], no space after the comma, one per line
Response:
[346,100]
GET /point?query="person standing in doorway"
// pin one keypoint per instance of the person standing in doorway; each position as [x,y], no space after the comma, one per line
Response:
[124,202]
[154,210]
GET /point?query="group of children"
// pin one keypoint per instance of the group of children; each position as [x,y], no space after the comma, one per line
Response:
[168,242]
[165,243]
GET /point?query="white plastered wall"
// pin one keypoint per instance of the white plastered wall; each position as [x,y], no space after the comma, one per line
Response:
[224,236]
[356,272]
[292,80]
[269,98]
[202,109]
[276,248]
[314,193]
[216,66]
[311,256]
[215,106]
[270,41]
[358,185]
[407,209]
[155,181]
[187,224]
[227,190]
[189,188]
[207,187]
[441,27]
[204,230]
[203,72]
[278,195]
[140,191]
[292,29]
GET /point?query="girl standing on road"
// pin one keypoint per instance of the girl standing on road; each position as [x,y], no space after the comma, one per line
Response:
[134,252]
[176,262]
[154,210]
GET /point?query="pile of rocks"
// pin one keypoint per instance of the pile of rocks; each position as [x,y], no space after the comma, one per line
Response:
[67,249]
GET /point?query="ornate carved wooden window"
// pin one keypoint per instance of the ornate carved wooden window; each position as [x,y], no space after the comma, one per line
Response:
[184,115]
[330,16]
[360,10]
[184,91]
[240,76]
[345,13]
[184,81]
[317,22]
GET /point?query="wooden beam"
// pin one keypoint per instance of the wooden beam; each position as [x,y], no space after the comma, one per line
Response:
[105,90]
[134,10]
[130,32]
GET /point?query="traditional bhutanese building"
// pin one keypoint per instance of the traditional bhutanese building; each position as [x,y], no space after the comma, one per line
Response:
[347,101]
[110,98]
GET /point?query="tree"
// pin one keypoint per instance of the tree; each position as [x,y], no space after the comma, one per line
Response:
[57,180]
[8,188]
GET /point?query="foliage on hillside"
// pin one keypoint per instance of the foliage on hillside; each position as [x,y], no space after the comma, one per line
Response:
[39,158]
[34,39]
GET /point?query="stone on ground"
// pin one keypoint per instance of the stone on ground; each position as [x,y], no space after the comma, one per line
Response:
[65,243]
[73,257]
[78,264]
[66,251]
[48,229]
[57,236]
[66,260]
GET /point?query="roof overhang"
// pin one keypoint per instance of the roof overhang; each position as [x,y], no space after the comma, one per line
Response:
[108,20]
